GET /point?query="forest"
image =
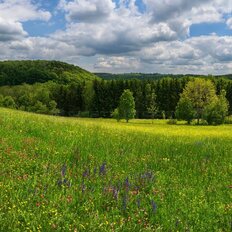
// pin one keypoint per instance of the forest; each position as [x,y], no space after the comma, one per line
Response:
[57,88]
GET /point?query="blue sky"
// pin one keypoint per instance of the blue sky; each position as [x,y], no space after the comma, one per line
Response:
[166,36]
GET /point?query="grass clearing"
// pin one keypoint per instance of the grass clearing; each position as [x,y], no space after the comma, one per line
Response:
[69,174]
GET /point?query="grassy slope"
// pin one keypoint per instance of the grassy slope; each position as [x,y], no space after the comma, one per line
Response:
[53,175]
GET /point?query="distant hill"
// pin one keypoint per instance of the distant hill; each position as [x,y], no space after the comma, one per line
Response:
[40,71]
[150,76]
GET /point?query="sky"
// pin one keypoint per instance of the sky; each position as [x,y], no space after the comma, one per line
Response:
[118,36]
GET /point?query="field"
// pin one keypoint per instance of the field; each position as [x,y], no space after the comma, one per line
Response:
[67,174]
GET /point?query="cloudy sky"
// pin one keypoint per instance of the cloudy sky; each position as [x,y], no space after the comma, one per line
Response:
[165,36]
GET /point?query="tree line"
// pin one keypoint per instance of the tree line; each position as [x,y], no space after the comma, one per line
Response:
[99,98]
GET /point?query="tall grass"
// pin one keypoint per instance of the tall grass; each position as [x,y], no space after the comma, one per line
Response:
[99,175]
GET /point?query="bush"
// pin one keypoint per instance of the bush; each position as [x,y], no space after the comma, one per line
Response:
[9,102]
[228,120]
[1,100]
[116,115]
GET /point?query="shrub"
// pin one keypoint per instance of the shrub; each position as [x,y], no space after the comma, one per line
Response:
[228,120]
[9,102]
[115,114]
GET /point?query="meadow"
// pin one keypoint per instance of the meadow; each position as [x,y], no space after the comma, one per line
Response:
[73,174]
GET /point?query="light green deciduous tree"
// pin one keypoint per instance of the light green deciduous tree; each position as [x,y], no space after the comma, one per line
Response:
[127,105]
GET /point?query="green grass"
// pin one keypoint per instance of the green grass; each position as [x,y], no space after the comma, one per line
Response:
[67,174]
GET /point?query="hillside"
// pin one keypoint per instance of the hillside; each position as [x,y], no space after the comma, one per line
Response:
[152,76]
[69,174]
[40,71]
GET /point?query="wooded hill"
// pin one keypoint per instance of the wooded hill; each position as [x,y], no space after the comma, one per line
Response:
[152,76]
[41,71]
[54,87]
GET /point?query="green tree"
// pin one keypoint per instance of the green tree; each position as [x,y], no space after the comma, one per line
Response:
[115,114]
[216,112]
[9,102]
[127,105]
[152,107]
[200,93]
[185,110]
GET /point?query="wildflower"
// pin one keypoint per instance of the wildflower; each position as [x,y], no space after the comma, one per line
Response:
[67,182]
[124,202]
[138,201]
[83,187]
[102,170]
[63,170]
[86,173]
[59,183]
[154,206]
[127,184]
[115,193]
[37,204]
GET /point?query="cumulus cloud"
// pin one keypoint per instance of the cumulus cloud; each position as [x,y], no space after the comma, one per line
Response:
[10,30]
[229,23]
[22,10]
[119,36]
[202,54]
[88,10]
[118,63]
[13,13]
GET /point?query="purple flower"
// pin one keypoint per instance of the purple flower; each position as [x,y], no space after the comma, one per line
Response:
[138,201]
[59,183]
[124,202]
[154,206]
[102,170]
[86,173]
[63,170]
[127,184]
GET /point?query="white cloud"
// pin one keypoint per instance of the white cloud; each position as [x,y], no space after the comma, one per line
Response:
[13,13]
[118,63]
[88,10]
[114,37]
[22,10]
[229,23]
[10,30]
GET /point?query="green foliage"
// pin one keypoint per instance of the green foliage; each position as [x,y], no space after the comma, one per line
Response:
[33,98]
[1,100]
[41,71]
[228,119]
[116,115]
[153,99]
[185,110]
[127,105]
[8,102]
[216,112]
[201,93]
[152,106]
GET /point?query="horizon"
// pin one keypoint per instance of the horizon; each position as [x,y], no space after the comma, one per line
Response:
[121,36]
